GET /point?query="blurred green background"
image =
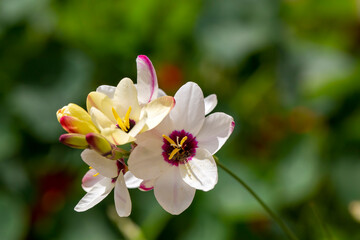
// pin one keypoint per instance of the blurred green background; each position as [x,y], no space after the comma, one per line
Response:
[287,70]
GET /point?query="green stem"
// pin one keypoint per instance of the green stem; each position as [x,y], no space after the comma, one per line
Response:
[280,222]
[322,223]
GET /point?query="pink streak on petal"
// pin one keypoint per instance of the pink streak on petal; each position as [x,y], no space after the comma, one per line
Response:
[91,101]
[63,137]
[232,126]
[89,180]
[147,61]
[86,178]
[173,104]
[66,123]
[112,137]
[143,186]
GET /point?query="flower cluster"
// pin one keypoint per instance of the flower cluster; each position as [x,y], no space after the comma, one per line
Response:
[172,141]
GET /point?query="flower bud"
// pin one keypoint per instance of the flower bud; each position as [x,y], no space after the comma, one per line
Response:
[75,119]
[101,145]
[74,140]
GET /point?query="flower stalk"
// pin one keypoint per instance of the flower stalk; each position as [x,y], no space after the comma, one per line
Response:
[277,219]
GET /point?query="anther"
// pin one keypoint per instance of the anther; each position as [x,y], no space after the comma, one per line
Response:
[119,120]
[172,143]
[183,140]
[127,118]
[173,153]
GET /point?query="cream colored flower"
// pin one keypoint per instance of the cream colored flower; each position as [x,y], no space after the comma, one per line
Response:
[127,110]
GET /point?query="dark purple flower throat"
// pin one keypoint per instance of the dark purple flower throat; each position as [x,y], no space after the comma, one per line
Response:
[179,147]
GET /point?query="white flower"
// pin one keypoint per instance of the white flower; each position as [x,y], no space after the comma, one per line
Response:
[121,113]
[175,158]
[104,175]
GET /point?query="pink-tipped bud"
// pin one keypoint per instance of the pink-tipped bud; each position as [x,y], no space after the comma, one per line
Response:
[74,140]
[75,119]
[101,145]
[75,125]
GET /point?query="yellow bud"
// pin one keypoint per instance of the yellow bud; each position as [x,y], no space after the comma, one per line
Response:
[104,147]
[74,140]
[75,119]
[99,143]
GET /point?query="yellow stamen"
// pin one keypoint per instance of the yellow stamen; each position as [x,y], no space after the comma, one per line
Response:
[96,174]
[173,153]
[119,120]
[169,140]
[127,118]
[90,167]
[122,125]
[115,113]
[183,140]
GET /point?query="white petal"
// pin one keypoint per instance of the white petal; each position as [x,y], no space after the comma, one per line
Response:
[96,194]
[157,110]
[147,83]
[165,127]
[146,160]
[201,171]
[107,90]
[125,96]
[147,185]
[210,103]
[122,197]
[189,110]
[132,181]
[152,138]
[161,93]
[104,166]
[172,193]
[90,179]
[216,130]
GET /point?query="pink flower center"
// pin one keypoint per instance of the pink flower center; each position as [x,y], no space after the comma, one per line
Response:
[179,147]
